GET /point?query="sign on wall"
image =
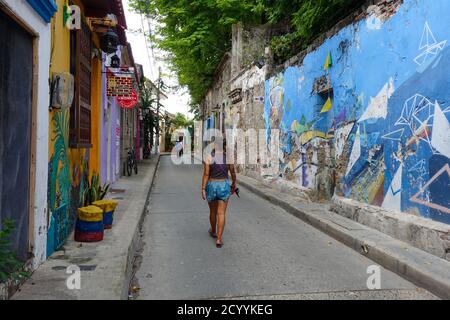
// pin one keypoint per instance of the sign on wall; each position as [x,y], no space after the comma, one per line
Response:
[128,102]
[119,85]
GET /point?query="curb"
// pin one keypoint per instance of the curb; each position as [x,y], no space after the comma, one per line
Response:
[421,268]
[136,236]
[425,234]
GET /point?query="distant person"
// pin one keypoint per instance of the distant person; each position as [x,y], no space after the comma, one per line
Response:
[217,189]
[179,147]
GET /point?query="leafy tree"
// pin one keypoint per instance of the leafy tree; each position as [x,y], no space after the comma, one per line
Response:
[180,121]
[197,33]
[148,103]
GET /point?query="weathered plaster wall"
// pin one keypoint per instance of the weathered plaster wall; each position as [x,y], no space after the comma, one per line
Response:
[248,114]
[386,138]
[39,214]
[216,99]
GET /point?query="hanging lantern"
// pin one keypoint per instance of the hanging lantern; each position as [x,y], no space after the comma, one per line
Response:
[110,41]
[115,61]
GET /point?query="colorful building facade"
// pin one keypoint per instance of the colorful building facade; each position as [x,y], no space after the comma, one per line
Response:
[85,136]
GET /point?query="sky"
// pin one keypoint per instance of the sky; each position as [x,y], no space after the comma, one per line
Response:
[176,102]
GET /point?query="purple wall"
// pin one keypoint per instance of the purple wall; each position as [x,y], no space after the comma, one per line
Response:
[113,111]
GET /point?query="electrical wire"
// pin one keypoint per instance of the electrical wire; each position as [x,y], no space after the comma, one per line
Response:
[146,47]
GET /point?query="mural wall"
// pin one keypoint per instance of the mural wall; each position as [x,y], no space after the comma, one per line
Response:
[68,168]
[372,127]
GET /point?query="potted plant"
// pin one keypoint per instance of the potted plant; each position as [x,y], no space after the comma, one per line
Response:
[94,190]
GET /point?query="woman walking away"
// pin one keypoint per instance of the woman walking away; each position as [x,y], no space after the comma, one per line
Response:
[216,189]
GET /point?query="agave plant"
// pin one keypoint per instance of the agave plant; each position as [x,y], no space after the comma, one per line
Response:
[94,190]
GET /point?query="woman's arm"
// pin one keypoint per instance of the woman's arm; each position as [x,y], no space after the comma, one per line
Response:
[205,177]
[233,175]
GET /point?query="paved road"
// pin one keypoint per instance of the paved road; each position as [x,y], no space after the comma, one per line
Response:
[268,253]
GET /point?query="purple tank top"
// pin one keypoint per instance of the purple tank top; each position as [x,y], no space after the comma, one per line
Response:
[218,169]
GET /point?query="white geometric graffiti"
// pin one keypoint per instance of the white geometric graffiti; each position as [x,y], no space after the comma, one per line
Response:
[419,117]
[416,115]
[441,132]
[394,135]
[393,198]
[414,109]
[378,106]
[356,152]
[431,48]
[419,167]
[447,110]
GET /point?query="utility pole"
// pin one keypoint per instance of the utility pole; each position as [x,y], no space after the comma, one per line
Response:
[157,109]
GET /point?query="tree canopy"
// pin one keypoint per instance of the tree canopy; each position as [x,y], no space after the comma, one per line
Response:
[197,33]
[180,121]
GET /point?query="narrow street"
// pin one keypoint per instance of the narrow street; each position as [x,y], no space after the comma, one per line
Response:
[335,114]
[268,253]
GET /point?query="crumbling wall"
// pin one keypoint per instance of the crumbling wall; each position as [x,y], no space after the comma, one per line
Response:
[216,99]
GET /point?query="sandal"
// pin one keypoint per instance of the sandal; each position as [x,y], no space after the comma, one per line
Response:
[219,245]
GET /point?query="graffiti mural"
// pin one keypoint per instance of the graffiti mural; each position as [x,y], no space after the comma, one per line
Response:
[381,133]
[67,176]
[58,182]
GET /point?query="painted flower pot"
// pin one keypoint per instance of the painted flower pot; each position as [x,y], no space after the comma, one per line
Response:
[89,225]
[108,206]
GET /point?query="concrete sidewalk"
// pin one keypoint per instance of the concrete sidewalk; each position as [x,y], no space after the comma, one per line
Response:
[421,268]
[106,266]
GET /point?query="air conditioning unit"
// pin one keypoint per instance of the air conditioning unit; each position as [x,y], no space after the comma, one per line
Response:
[62,91]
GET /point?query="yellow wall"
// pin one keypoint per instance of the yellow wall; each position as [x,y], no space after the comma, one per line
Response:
[96,109]
[71,166]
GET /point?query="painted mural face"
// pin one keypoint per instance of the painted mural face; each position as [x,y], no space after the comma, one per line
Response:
[386,136]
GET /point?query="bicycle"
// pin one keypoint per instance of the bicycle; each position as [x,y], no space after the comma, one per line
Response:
[131,162]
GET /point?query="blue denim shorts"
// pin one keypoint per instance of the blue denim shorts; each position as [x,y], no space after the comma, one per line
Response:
[218,190]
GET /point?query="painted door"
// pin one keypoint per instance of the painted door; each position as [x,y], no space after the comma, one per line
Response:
[16,69]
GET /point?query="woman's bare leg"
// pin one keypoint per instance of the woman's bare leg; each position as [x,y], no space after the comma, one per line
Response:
[213,216]
[221,213]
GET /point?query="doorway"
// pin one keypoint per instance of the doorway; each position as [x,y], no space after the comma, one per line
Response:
[16,106]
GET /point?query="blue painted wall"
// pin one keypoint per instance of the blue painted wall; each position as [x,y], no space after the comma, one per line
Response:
[387,135]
